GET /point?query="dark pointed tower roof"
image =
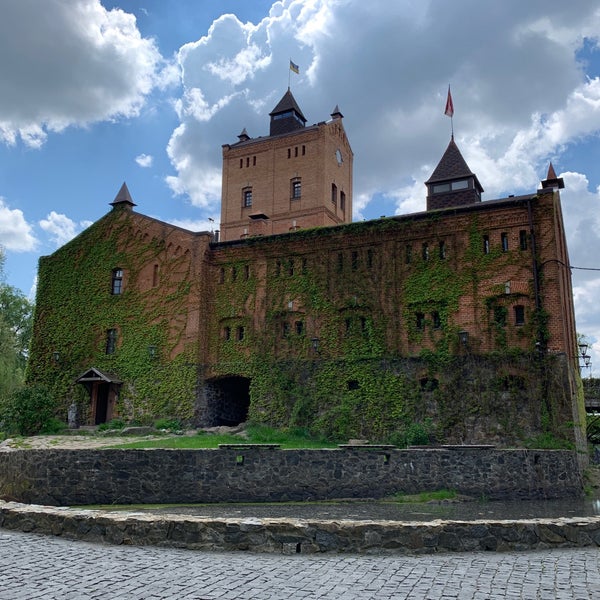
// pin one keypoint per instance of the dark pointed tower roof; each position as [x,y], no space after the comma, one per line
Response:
[286,116]
[337,113]
[452,183]
[552,181]
[123,199]
[451,166]
[244,137]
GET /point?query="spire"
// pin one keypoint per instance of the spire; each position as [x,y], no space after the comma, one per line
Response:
[552,181]
[243,137]
[123,199]
[286,116]
[452,182]
[337,114]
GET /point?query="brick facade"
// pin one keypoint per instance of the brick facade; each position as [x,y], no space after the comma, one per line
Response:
[293,279]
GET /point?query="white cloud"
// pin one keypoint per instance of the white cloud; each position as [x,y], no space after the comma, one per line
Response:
[144,160]
[15,233]
[61,228]
[195,224]
[520,95]
[71,63]
[519,92]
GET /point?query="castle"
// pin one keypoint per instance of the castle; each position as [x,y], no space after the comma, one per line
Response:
[458,319]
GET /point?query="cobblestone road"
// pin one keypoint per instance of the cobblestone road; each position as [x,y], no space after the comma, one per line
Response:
[33,566]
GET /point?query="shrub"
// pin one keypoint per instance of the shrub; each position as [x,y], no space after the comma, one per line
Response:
[168,424]
[29,411]
[112,425]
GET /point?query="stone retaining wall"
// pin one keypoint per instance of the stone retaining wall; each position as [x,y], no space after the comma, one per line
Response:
[289,536]
[259,474]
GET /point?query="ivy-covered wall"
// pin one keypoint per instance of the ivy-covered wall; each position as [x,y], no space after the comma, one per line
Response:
[354,331]
[156,354]
[451,326]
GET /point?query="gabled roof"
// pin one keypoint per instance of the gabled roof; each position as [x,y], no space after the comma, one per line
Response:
[452,165]
[94,374]
[287,103]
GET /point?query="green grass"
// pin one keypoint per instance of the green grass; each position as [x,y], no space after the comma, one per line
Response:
[425,496]
[256,434]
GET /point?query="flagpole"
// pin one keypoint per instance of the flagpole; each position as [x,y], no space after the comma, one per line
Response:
[449,111]
[289,75]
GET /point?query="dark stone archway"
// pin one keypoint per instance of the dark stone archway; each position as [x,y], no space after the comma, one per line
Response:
[227,401]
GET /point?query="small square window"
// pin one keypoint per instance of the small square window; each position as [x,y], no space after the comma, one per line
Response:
[111,341]
[436,320]
[247,197]
[519,315]
[370,258]
[299,326]
[523,239]
[117,282]
[486,244]
[408,254]
[442,250]
[420,320]
[425,251]
[226,333]
[296,189]
[240,333]
[343,201]
[354,260]
[504,241]
[500,316]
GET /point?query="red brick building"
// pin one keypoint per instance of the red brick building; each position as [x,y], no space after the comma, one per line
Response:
[297,316]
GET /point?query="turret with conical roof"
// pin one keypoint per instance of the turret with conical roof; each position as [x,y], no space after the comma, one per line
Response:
[123,199]
[286,116]
[452,183]
[552,181]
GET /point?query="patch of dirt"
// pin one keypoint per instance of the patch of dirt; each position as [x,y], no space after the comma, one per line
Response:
[73,442]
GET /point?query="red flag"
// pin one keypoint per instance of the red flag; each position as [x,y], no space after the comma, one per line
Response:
[449,105]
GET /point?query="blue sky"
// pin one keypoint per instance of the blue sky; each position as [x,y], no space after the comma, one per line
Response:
[146,91]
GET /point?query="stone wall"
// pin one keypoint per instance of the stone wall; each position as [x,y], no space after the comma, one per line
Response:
[294,536]
[264,473]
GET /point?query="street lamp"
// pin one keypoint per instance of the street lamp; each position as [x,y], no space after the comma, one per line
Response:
[315,344]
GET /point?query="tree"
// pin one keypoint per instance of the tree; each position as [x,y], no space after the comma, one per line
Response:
[16,321]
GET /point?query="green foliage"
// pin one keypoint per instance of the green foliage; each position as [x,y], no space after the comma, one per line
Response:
[113,425]
[15,335]
[548,441]
[168,424]
[422,497]
[255,434]
[29,411]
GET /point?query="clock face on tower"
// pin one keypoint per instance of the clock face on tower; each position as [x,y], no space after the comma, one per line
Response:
[339,157]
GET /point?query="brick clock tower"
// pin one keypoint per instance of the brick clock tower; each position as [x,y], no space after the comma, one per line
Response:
[297,177]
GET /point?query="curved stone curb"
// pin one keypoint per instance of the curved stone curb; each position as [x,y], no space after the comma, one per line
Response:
[287,536]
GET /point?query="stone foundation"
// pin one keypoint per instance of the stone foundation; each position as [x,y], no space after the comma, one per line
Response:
[266,474]
[300,536]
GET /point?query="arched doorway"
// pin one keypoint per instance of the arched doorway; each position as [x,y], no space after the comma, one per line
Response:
[227,401]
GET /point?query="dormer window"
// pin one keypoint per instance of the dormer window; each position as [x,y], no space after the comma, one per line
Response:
[451,186]
[117,282]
